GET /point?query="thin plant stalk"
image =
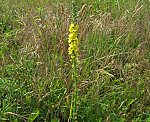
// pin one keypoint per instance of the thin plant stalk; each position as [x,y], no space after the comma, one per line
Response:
[76,90]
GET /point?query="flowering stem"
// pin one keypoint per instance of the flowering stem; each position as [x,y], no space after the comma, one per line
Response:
[73,52]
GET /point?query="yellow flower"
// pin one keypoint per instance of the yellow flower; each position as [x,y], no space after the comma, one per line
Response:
[73,28]
[73,41]
[73,49]
[73,35]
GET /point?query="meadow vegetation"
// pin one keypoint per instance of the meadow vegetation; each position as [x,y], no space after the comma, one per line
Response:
[36,83]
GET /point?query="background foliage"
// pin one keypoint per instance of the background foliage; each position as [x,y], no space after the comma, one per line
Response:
[114,71]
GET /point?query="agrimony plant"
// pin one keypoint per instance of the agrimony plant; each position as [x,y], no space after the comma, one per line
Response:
[73,52]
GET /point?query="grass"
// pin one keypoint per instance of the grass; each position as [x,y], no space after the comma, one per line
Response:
[36,82]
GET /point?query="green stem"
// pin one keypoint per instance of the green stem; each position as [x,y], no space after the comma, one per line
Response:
[76,89]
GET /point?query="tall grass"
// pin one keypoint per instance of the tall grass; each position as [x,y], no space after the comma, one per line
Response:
[114,72]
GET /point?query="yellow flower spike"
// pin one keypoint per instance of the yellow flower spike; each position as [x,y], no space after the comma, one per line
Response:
[73,41]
